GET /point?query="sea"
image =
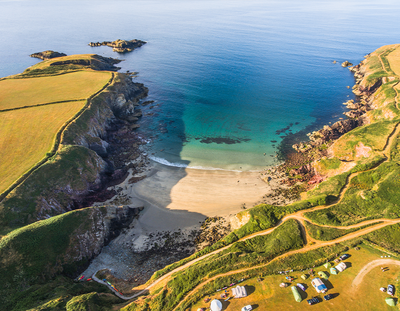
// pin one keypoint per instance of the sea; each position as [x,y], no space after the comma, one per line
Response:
[233,82]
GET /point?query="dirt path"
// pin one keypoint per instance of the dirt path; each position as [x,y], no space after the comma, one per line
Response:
[368,267]
[307,248]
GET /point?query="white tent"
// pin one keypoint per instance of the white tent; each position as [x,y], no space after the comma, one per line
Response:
[239,291]
[341,267]
[216,305]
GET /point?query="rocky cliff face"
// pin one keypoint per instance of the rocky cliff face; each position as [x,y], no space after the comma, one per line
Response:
[117,103]
[356,116]
[101,225]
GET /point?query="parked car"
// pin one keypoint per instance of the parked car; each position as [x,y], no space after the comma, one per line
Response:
[313,301]
[301,286]
[383,289]
[247,308]
[344,256]
[329,296]
[390,290]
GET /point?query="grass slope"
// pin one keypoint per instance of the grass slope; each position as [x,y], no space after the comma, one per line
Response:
[72,167]
[36,253]
[327,233]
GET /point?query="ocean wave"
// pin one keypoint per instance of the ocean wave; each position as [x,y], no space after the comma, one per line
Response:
[183,165]
[166,162]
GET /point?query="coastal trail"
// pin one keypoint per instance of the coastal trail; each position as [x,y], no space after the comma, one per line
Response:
[367,268]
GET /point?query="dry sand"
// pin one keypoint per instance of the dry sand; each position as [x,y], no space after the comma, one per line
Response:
[208,192]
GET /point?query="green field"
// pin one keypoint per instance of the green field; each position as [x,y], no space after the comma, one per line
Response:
[15,93]
[27,132]
[26,135]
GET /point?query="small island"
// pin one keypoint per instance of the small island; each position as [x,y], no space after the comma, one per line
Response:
[47,55]
[121,46]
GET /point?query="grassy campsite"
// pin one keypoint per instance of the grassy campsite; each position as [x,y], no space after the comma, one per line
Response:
[264,293]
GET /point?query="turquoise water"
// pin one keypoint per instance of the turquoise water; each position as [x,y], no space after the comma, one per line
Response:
[225,75]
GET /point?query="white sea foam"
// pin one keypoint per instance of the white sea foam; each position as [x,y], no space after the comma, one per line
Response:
[183,165]
[166,162]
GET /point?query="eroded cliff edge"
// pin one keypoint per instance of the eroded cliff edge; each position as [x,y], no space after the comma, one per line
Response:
[84,164]
[50,230]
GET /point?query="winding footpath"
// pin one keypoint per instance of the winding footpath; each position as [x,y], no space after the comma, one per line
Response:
[374,224]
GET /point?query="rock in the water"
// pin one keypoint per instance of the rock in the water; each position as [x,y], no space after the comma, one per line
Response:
[47,55]
[346,64]
[121,46]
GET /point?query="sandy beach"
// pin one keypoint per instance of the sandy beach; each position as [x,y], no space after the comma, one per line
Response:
[176,201]
[180,198]
[208,192]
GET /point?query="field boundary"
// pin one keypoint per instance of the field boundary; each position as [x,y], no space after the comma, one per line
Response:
[46,104]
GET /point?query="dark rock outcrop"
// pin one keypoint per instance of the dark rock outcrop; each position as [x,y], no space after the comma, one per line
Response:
[346,64]
[327,133]
[120,46]
[47,55]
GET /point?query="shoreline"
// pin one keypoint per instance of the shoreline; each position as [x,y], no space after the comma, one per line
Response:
[177,201]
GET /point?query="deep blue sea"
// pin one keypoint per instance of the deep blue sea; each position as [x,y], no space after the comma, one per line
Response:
[230,79]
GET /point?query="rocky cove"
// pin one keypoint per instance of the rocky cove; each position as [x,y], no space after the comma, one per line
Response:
[300,163]
[356,115]
[113,155]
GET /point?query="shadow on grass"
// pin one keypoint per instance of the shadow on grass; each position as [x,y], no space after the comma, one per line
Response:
[348,264]
[250,289]
[335,295]
[328,284]
[303,294]
[225,304]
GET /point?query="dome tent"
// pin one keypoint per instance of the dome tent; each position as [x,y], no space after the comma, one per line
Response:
[327,265]
[304,276]
[322,274]
[333,271]
[216,305]
[296,294]
[390,301]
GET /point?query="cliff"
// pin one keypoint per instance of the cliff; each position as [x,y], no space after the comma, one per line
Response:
[63,244]
[82,166]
